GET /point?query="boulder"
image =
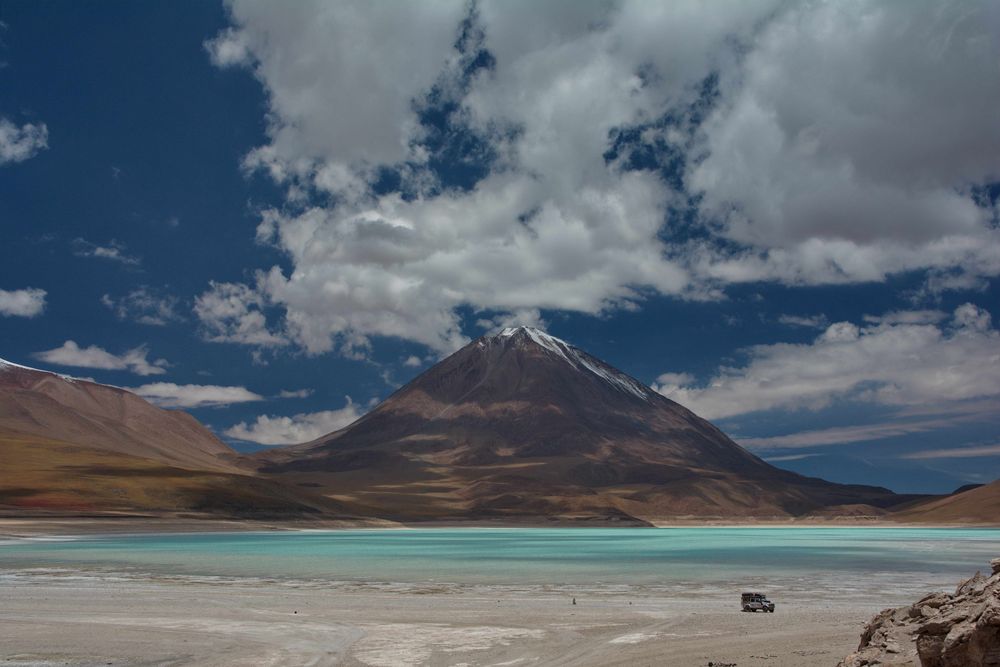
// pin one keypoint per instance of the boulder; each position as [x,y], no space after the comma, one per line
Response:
[974,585]
[939,630]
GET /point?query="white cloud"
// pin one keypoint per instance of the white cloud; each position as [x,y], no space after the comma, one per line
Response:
[145,306]
[955,453]
[114,251]
[895,364]
[670,383]
[807,162]
[972,318]
[326,103]
[412,361]
[298,428]
[802,164]
[788,457]
[170,395]
[134,360]
[229,49]
[231,313]
[17,144]
[522,317]
[391,270]
[554,227]
[298,393]
[908,317]
[864,433]
[954,279]
[809,321]
[29,302]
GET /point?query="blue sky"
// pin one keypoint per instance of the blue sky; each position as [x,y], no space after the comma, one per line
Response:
[273,215]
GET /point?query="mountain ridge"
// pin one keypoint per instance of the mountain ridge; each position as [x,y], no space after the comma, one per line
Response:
[70,445]
[517,426]
[61,407]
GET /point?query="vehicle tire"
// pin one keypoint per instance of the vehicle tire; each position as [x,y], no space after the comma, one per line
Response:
[746,608]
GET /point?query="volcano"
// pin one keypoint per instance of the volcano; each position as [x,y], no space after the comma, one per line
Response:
[523,425]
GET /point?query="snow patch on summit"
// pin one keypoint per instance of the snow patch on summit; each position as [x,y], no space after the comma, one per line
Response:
[579,360]
[8,365]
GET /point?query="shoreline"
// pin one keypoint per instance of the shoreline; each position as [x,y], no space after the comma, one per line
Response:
[27,527]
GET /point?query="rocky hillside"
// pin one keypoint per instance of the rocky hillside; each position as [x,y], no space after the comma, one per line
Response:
[940,630]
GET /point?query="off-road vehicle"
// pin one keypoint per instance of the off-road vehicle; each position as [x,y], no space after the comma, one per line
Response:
[756,602]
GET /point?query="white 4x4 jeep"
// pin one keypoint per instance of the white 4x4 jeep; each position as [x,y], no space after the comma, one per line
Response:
[756,602]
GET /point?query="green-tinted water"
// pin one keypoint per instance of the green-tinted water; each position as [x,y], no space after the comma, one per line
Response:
[569,556]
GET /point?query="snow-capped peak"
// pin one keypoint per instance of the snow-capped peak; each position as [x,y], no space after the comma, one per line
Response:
[7,365]
[579,359]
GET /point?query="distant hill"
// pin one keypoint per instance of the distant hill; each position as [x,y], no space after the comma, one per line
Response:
[57,407]
[907,476]
[523,425]
[978,505]
[74,446]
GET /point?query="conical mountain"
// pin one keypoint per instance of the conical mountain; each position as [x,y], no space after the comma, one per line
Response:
[522,425]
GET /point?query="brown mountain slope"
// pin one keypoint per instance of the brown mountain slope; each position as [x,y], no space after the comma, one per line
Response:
[55,407]
[49,477]
[69,446]
[522,424]
[980,505]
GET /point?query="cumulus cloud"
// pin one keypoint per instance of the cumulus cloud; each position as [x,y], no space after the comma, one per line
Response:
[29,302]
[553,226]
[950,279]
[393,270]
[170,395]
[327,105]
[19,143]
[134,360]
[229,48]
[806,162]
[779,121]
[891,363]
[113,251]
[232,313]
[298,428]
[145,306]
[670,383]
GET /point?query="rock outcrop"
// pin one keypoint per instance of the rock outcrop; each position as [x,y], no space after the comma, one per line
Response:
[940,630]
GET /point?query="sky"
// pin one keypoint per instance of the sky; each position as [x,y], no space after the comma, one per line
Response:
[783,215]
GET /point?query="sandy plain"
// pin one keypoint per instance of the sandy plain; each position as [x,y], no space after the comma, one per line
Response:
[70,618]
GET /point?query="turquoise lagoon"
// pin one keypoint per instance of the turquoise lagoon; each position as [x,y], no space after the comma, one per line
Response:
[792,558]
